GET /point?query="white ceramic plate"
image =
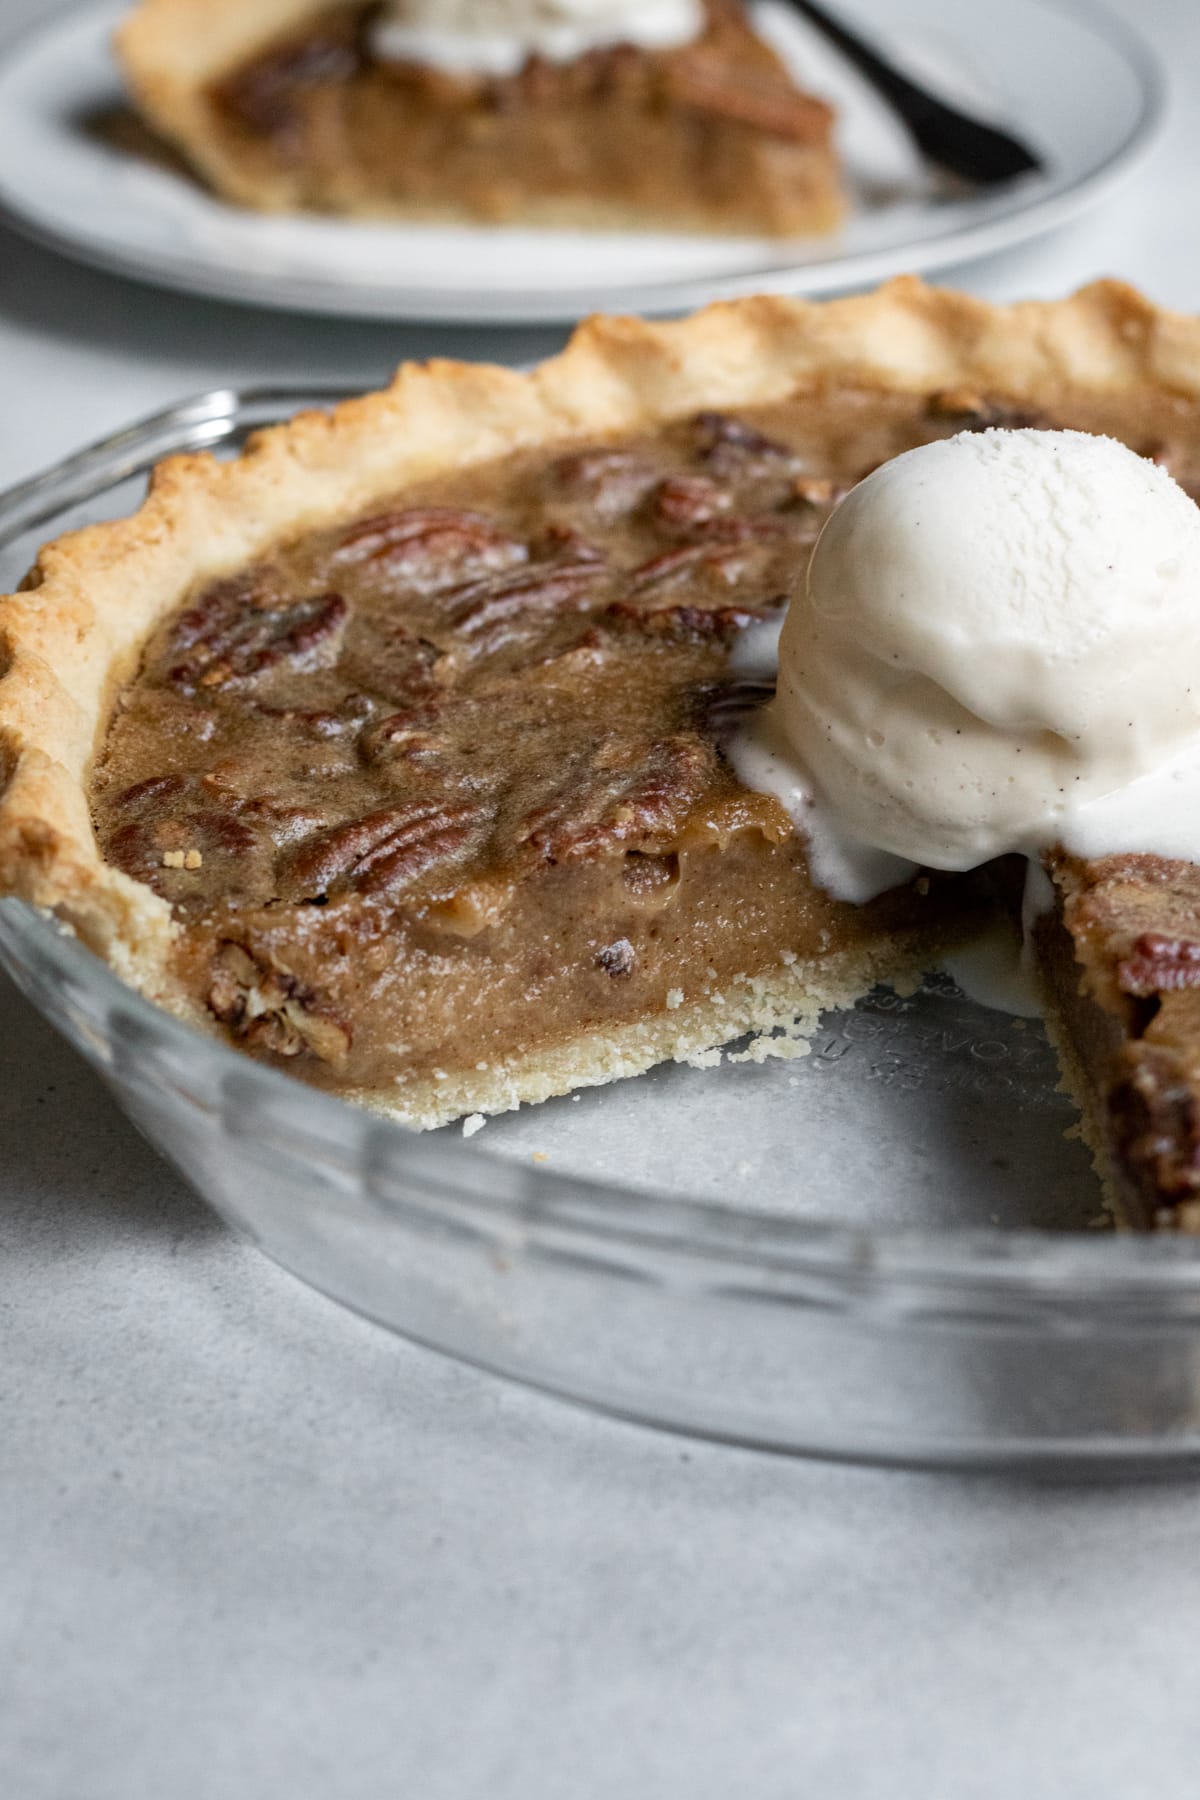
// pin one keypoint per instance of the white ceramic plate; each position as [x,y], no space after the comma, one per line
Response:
[1072,81]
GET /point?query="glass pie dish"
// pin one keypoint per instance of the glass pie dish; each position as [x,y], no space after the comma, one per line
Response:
[880,1250]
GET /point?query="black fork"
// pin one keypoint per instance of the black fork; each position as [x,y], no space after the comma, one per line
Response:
[953,139]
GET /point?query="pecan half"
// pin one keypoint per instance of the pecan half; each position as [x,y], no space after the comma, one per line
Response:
[144,794]
[384,851]
[169,815]
[266,1006]
[489,613]
[241,628]
[628,795]
[683,624]
[689,502]
[671,566]
[431,548]
[730,447]
[1159,965]
[728,553]
[317,723]
[610,481]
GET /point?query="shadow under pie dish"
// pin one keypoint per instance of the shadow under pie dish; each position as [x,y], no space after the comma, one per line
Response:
[291,105]
[393,751]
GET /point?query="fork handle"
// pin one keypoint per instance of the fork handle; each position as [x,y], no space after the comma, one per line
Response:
[954,139]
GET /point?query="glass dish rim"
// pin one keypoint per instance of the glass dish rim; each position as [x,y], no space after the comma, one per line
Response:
[1046,1269]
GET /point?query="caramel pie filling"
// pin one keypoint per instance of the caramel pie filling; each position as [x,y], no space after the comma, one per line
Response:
[446,786]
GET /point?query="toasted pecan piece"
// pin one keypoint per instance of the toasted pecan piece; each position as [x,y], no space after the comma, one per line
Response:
[243,627]
[382,852]
[266,1006]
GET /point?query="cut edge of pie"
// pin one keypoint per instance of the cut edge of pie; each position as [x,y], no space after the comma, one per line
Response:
[734,144]
[779,1010]
[74,634]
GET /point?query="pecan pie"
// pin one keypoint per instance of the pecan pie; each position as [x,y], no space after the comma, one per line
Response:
[286,105]
[393,751]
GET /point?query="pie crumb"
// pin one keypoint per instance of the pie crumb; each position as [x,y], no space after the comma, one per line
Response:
[541,1156]
[172,859]
[760,1048]
[475,1122]
[193,860]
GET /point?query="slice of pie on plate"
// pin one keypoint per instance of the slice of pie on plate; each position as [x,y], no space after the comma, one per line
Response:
[288,105]
[393,751]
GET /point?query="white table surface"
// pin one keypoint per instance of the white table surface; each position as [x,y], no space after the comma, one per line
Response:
[251,1547]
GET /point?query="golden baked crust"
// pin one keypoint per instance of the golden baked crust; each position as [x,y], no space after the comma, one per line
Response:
[72,637]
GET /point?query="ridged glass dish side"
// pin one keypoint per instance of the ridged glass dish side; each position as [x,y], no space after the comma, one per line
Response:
[800,1254]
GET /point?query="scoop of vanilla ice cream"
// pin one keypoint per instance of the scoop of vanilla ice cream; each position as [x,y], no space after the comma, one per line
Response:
[996,630]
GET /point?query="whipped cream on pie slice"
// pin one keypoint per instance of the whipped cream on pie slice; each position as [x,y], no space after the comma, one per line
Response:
[497,37]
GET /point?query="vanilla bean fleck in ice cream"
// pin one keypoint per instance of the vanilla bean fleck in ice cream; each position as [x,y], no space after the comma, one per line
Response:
[496,37]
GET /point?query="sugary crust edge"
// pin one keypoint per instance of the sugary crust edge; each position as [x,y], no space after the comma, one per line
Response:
[73,636]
